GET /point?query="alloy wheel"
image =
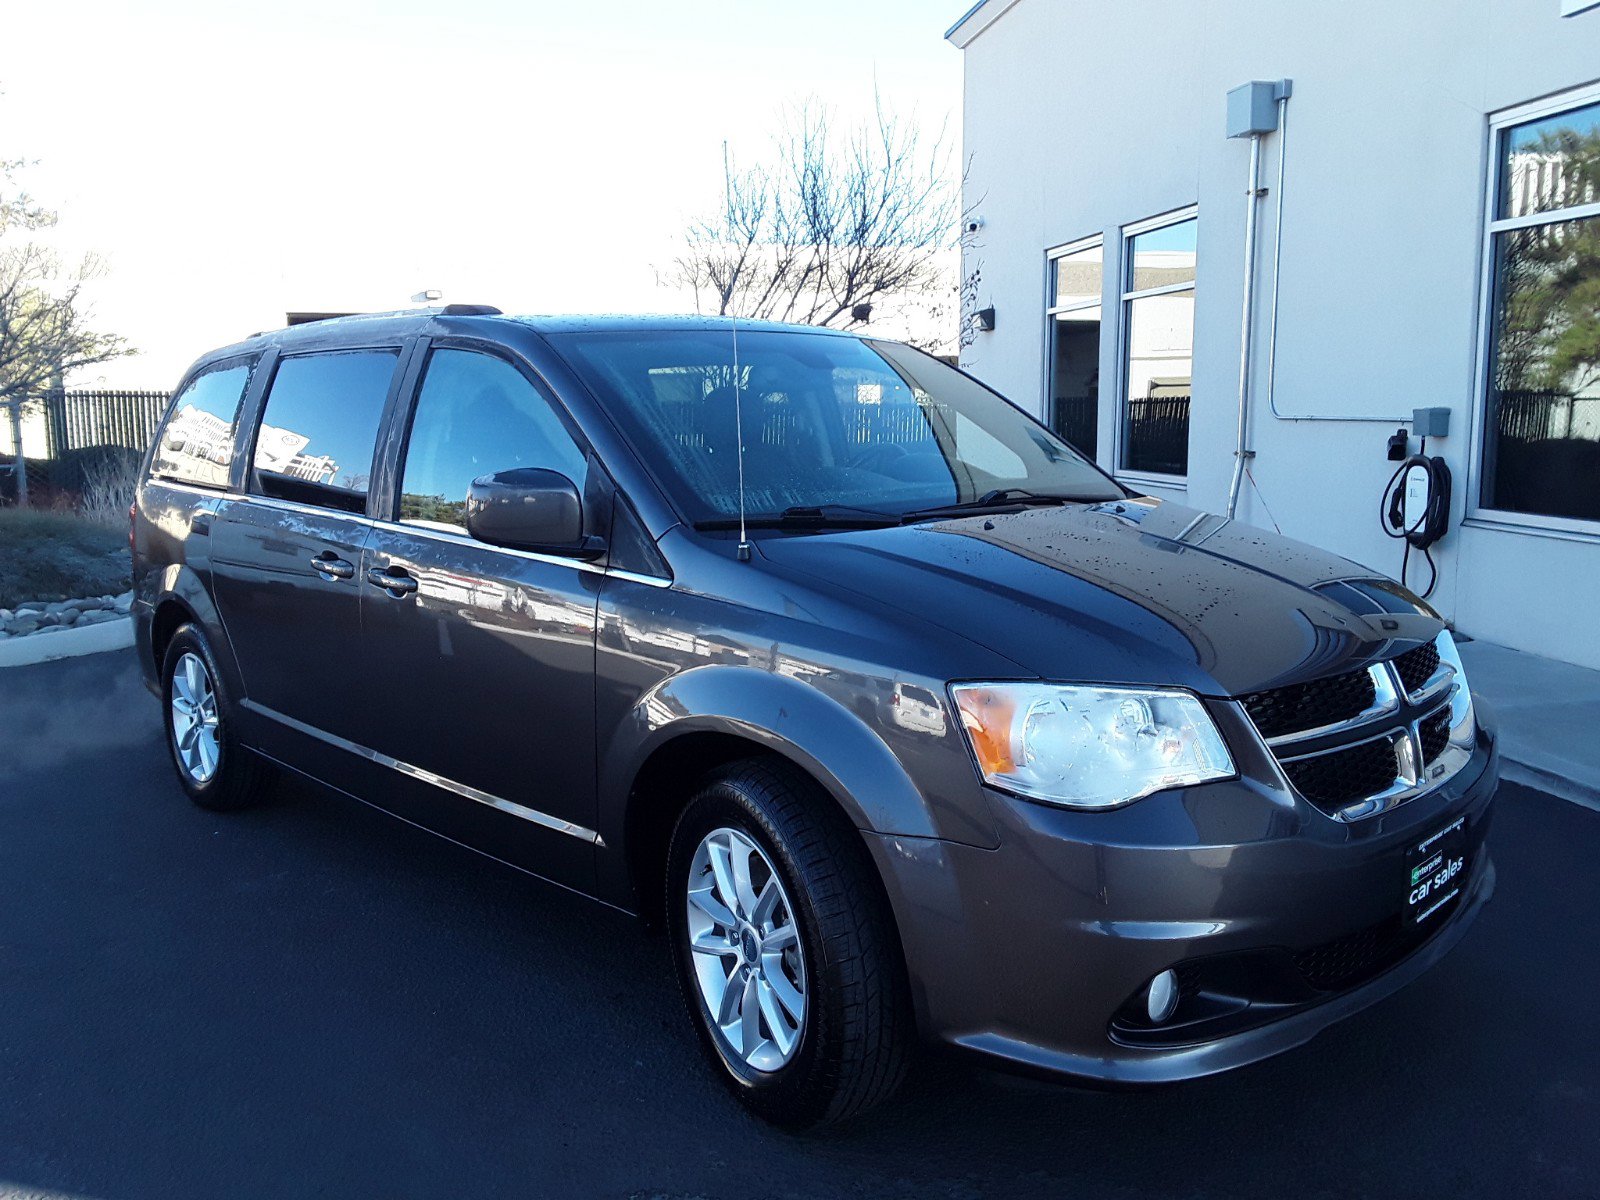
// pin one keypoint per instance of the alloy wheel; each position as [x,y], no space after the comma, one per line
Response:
[195,723]
[747,955]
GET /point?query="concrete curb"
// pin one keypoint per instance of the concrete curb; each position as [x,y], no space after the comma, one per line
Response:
[69,643]
[1546,712]
[1541,780]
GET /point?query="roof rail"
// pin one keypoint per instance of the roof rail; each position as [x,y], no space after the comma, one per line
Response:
[470,310]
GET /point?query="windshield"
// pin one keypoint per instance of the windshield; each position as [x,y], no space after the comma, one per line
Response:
[829,422]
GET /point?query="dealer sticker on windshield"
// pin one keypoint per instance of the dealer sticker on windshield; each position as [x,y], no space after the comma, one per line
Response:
[1436,870]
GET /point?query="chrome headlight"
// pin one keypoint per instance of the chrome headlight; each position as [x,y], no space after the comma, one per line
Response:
[1089,747]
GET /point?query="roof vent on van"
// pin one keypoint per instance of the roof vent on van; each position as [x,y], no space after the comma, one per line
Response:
[470,310]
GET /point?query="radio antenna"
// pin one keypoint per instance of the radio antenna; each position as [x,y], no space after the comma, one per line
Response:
[738,433]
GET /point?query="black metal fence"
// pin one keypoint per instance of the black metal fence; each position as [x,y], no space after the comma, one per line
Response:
[1544,455]
[68,436]
[78,420]
[1158,435]
[1075,420]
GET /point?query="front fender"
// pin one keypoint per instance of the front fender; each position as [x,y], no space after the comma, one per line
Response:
[788,717]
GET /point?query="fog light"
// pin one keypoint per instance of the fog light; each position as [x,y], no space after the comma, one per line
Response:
[1161,997]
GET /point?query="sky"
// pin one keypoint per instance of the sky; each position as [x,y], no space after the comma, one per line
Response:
[231,162]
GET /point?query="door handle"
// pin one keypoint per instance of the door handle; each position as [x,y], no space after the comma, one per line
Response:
[331,566]
[396,581]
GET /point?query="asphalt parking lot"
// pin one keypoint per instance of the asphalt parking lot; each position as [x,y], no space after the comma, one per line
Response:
[312,999]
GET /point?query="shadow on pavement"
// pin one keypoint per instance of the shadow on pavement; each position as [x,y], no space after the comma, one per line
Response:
[313,999]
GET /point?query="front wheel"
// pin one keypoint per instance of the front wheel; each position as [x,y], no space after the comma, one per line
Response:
[784,948]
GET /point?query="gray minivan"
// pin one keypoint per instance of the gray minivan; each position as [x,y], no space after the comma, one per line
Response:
[903,719]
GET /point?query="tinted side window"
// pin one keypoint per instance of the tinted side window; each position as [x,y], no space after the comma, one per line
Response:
[319,428]
[477,415]
[196,443]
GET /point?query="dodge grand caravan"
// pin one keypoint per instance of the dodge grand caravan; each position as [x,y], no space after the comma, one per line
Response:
[901,718]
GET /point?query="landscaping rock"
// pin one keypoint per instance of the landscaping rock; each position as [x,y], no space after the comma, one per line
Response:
[98,617]
[56,609]
[5,615]
[47,619]
[19,627]
[124,603]
[49,629]
[68,616]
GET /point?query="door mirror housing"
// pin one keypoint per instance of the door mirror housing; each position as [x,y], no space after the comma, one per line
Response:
[530,508]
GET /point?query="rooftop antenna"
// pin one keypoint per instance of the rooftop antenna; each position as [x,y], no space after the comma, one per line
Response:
[738,433]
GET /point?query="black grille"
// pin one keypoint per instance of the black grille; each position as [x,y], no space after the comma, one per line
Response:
[1301,706]
[1417,666]
[1435,733]
[1344,776]
[1354,959]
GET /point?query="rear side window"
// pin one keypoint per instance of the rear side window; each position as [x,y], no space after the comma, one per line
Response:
[196,443]
[477,415]
[320,426]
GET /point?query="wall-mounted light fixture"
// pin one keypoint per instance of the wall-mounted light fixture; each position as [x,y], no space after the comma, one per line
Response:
[983,319]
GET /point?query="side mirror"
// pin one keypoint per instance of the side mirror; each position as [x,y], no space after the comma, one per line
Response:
[529,509]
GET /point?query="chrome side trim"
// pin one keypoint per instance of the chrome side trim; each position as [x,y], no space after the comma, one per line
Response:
[654,581]
[423,531]
[450,785]
[432,533]
[429,534]
[294,506]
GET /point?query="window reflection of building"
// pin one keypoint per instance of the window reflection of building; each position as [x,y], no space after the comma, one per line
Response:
[1075,298]
[282,451]
[196,446]
[1541,452]
[1158,367]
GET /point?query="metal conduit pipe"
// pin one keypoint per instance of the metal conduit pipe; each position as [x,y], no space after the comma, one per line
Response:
[1247,322]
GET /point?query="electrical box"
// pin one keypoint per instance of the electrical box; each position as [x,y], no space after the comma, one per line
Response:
[1253,107]
[1430,422]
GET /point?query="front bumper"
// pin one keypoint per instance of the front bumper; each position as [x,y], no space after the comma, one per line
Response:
[1280,920]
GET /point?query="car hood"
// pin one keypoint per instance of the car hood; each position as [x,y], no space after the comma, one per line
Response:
[1126,592]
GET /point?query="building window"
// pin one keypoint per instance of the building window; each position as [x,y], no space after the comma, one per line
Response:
[1158,344]
[1077,273]
[1541,453]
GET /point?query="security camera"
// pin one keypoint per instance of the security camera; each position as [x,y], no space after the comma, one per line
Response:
[973,224]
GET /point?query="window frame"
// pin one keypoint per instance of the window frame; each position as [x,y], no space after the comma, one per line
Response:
[258,396]
[1052,257]
[395,443]
[252,362]
[1477,512]
[1126,294]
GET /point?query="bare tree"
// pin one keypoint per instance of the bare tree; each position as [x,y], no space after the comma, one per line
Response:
[831,224]
[45,327]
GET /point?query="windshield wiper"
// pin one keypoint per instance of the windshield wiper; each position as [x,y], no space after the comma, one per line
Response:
[1008,499]
[808,516]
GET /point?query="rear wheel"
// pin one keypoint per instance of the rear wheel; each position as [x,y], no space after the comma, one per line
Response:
[213,768]
[784,949]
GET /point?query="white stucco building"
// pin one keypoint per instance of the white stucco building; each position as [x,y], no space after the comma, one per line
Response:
[1439,247]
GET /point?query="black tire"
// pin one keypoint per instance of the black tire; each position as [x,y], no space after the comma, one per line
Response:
[240,778]
[858,1033]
